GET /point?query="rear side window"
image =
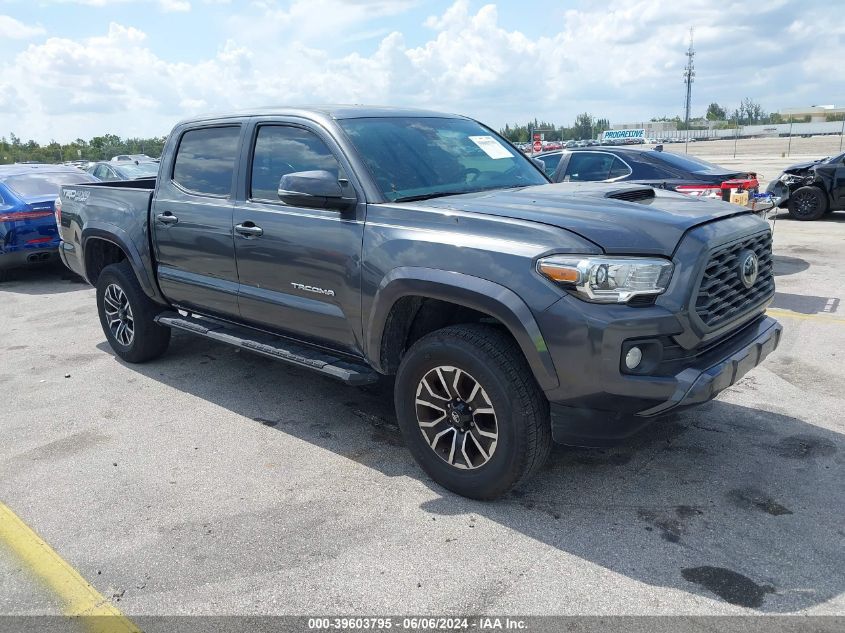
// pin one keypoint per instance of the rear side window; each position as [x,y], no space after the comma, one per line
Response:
[41,183]
[205,160]
[618,169]
[281,150]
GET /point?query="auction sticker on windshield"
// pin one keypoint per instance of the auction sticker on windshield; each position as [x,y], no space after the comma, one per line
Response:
[490,146]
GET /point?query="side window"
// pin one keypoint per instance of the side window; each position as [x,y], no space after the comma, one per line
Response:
[551,162]
[205,160]
[588,166]
[280,150]
[618,169]
[101,172]
[651,169]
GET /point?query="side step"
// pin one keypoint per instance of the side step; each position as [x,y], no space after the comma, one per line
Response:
[347,371]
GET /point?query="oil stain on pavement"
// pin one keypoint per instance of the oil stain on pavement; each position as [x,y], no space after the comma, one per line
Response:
[729,585]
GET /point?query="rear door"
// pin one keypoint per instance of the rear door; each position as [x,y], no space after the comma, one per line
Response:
[301,276]
[192,219]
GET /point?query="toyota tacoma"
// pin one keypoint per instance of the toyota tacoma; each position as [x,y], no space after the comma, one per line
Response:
[360,242]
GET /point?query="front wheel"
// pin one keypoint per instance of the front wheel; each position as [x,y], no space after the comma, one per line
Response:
[128,315]
[807,203]
[471,412]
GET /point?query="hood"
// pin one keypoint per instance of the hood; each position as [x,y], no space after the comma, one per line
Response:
[802,166]
[653,225]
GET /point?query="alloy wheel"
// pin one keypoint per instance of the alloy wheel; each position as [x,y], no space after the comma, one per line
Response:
[806,204]
[119,315]
[456,417]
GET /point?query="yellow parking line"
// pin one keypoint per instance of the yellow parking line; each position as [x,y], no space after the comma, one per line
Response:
[79,597]
[789,314]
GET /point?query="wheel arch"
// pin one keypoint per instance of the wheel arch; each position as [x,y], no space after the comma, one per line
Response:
[390,317]
[102,246]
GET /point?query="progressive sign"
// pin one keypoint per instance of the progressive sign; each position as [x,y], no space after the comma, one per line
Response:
[617,135]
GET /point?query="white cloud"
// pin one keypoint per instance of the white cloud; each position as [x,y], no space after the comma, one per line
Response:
[623,60]
[16,30]
[171,6]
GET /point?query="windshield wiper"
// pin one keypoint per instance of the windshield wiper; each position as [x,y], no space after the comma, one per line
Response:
[441,194]
[427,196]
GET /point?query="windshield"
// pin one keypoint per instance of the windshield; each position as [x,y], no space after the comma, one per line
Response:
[39,184]
[141,170]
[688,163]
[416,158]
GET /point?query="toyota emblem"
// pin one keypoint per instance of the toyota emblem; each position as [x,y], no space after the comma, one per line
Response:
[748,268]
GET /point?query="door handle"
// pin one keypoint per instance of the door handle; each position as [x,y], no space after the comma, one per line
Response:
[167,218]
[248,229]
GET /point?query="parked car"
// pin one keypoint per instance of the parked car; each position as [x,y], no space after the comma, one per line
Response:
[28,233]
[512,311]
[141,158]
[653,167]
[811,189]
[125,170]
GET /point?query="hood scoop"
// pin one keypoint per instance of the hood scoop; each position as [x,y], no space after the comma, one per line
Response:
[632,194]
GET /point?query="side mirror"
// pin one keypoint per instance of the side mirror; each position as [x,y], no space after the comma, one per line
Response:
[317,189]
[539,164]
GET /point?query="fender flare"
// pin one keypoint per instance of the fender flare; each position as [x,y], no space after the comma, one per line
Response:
[121,239]
[472,292]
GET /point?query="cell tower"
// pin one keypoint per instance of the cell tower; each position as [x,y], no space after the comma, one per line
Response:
[689,77]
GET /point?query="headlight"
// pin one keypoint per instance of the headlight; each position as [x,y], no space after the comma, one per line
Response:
[607,279]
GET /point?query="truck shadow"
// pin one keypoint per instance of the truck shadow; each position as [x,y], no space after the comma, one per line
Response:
[725,501]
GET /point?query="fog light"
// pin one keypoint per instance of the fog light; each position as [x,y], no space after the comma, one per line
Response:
[633,357]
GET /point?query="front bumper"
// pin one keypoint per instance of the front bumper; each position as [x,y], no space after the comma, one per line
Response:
[711,373]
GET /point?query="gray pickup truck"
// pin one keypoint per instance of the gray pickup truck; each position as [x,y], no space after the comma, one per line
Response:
[366,242]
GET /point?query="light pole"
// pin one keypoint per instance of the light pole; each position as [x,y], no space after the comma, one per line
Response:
[789,145]
[736,133]
[842,133]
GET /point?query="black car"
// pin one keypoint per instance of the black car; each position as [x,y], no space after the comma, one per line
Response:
[809,190]
[654,167]
[124,170]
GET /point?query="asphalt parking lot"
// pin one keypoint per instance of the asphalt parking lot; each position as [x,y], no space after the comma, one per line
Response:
[217,482]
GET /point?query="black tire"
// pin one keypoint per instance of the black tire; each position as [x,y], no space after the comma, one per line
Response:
[807,203]
[493,361]
[149,340]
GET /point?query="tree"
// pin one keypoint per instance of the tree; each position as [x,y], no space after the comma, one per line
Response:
[583,127]
[749,112]
[715,112]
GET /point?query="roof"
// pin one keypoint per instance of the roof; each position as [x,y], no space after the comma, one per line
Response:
[19,169]
[332,111]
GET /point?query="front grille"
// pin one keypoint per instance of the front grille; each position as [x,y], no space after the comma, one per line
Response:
[722,296]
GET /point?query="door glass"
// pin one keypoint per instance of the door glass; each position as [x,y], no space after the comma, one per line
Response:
[205,161]
[588,166]
[281,150]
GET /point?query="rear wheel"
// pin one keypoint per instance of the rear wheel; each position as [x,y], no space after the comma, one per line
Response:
[127,315]
[807,203]
[471,412]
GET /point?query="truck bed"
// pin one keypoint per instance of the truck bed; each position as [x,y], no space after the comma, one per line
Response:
[120,210]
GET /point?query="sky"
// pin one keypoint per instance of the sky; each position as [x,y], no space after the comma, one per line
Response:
[79,68]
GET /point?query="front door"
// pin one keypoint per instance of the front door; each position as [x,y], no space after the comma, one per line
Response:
[192,221]
[299,268]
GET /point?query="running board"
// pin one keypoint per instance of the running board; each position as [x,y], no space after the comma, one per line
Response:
[274,347]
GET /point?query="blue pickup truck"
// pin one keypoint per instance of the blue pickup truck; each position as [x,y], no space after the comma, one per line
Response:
[365,242]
